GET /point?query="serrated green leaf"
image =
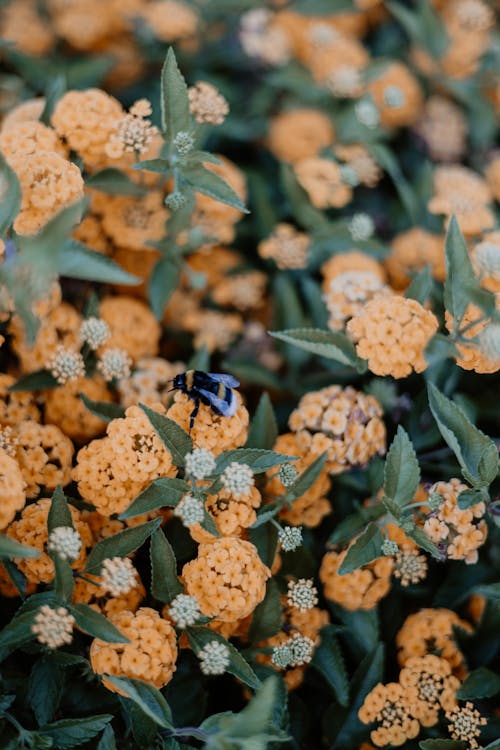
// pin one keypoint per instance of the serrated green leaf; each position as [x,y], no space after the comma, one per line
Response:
[267,616]
[80,262]
[366,548]
[45,688]
[69,733]
[114,182]
[146,697]
[306,480]
[120,545]
[238,666]
[59,512]
[475,452]
[258,459]
[162,284]
[176,441]
[10,196]
[421,286]
[263,429]
[9,548]
[444,744]
[350,526]
[460,276]
[468,498]
[34,381]
[164,492]
[165,584]
[401,471]
[209,183]
[174,98]
[481,683]
[329,661]
[95,624]
[105,410]
[328,344]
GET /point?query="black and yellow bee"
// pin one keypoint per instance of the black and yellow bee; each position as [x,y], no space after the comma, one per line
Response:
[214,389]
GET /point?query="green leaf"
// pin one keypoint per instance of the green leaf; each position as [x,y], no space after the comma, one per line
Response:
[80,262]
[59,512]
[306,480]
[95,624]
[45,250]
[146,697]
[200,360]
[159,166]
[263,430]
[209,183]
[258,459]
[165,584]
[328,344]
[390,164]
[489,590]
[468,498]
[460,276]
[351,525]
[421,286]
[45,688]
[69,733]
[475,452]
[303,211]
[174,98]
[238,666]
[10,196]
[107,741]
[267,616]
[401,471]
[114,182]
[10,548]
[441,745]
[120,545]
[265,539]
[176,441]
[164,492]
[105,410]
[56,88]
[420,537]
[366,548]
[18,631]
[162,284]
[328,660]
[481,683]
[34,381]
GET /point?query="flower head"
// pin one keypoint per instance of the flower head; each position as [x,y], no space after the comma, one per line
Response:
[114,364]
[184,610]
[286,246]
[302,594]
[361,227]
[290,538]
[464,724]
[118,575]
[66,365]
[389,547]
[133,133]
[94,332]
[238,479]
[200,463]
[206,104]
[367,113]
[301,649]
[214,658]
[190,510]
[410,567]
[66,542]
[53,627]
[287,474]
[184,142]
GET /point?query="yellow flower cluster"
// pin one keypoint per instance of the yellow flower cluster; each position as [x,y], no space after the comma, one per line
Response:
[460,191]
[151,654]
[391,332]
[211,431]
[112,470]
[44,454]
[89,591]
[227,578]
[299,134]
[411,251]
[233,513]
[461,532]
[132,325]
[470,356]
[16,406]
[286,246]
[323,182]
[149,382]
[361,589]
[65,409]
[425,687]
[12,489]
[31,529]
[342,421]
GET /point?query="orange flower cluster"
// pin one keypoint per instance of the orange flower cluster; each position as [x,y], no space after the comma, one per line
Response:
[65,409]
[286,246]
[425,687]
[462,532]
[44,454]
[233,513]
[397,96]
[410,252]
[430,631]
[348,293]
[17,406]
[313,505]
[132,324]
[170,20]
[227,578]
[31,529]
[299,134]
[149,382]
[460,191]
[471,357]
[486,260]
[11,488]
[391,332]
[211,431]
[323,182]
[443,128]
[342,421]
[352,261]
[112,470]
[361,589]
[88,591]
[151,654]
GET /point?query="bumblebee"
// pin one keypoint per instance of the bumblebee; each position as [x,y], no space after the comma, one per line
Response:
[213,389]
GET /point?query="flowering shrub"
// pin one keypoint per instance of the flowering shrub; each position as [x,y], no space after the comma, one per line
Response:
[249,357]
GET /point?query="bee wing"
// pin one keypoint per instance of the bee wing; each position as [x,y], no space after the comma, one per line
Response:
[221,377]
[225,408]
